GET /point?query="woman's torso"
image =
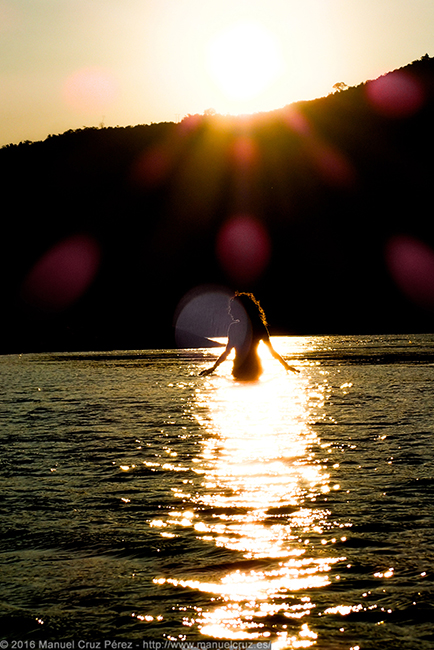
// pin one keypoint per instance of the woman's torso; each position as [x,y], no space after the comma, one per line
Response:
[247,363]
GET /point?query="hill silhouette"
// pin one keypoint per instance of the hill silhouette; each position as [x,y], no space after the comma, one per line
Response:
[321,208]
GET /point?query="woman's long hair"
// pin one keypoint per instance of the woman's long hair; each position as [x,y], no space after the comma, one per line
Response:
[253,309]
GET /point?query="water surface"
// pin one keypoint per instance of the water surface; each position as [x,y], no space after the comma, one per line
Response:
[142,501]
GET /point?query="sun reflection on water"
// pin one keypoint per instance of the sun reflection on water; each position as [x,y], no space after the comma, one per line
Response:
[260,482]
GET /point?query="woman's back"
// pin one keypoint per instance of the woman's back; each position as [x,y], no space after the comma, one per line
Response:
[247,364]
[244,335]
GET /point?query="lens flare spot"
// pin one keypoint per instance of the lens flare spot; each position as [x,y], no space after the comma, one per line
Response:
[396,94]
[411,265]
[201,316]
[90,89]
[297,122]
[244,152]
[243,248]
[333,166]
[63,274]
[151,168]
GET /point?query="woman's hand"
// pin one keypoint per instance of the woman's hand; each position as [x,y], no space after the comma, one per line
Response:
[221,358]
[208,371]
[291,368]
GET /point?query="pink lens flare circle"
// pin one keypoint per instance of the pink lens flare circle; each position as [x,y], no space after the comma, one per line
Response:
[396,95]
[411,264]
[63,274]
[90,89]
[243,248]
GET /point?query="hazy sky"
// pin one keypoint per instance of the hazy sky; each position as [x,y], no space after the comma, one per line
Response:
[65,64]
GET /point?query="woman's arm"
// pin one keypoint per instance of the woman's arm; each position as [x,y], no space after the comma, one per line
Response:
[220,360]
[277,356]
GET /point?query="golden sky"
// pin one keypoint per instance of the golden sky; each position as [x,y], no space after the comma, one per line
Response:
[65,64]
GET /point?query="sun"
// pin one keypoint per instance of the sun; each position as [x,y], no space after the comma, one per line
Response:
[244,60]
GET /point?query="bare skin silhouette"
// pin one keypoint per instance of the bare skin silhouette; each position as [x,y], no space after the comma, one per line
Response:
[244,335]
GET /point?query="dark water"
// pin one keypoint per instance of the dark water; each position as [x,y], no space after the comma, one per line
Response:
[139,500]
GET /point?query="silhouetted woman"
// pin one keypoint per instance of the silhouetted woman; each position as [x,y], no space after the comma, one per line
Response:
[248,327]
